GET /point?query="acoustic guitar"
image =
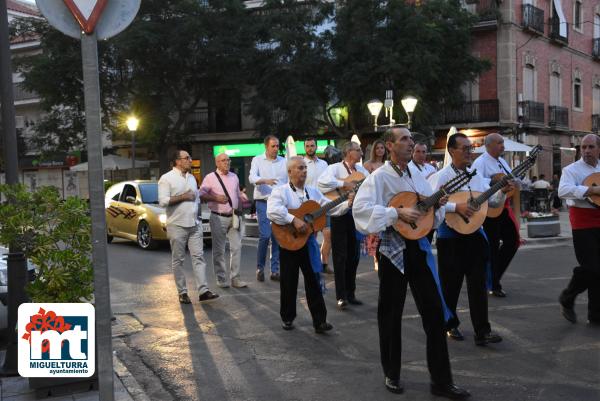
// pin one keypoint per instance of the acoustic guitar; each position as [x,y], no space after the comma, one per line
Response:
[478,200]
[424,224]
[355,177]
[592,180]
[313,214]
[514,193]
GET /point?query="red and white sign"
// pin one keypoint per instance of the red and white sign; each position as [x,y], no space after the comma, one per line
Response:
[86,12]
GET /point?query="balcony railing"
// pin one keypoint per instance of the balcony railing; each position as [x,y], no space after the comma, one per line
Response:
[555,34]
[473,112]
[596,123]
[486,10]
[199,122]
[22,94]
[533,18]
[596,49]
[533,112]
[558,117]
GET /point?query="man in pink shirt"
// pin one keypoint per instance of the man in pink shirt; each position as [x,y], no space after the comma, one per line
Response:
[221,189]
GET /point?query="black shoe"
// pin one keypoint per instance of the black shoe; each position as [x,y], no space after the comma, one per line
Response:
[498,293]
[288,325]
[568,313]
[208,296]
[275,276]
[594,323]
[323,327]
[449,391]
[393,386]
[455,334]
[260,275]
[184,299]
[327,269]
[354,301]
[342,304]
[488,338]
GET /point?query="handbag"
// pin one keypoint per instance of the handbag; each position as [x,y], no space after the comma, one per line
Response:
[235,220]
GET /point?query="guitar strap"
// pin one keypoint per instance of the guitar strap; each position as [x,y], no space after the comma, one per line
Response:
[348,169]
[305,191]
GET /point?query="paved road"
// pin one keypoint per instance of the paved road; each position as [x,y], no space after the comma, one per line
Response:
[234,348]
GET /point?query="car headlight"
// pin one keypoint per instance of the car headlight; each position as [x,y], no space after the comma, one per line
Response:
[163,218]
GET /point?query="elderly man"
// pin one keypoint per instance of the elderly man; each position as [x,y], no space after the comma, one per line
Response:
[267,171]
[307,259]
[585,223]
[178,193]
[345,246]
[504,227]
[221,189]
[403,262]
[419,160]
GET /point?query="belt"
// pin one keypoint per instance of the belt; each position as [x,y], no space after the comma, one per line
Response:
[222,214]
[260,200]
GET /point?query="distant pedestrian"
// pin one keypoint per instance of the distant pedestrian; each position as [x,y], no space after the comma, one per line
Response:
[178,193]
[221,189]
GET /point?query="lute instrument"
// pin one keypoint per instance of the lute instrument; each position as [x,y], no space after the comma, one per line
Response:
[424,224]
[478,200]
[592,180]
[313,214]
[354,178]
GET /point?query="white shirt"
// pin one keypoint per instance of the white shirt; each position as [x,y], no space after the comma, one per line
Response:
[541,184]
[370,209]
[284,198]
[314,169]
[425,169]
[489,166]
[476,184]
[571,185]
[174,183]
[331,179]
[262,167]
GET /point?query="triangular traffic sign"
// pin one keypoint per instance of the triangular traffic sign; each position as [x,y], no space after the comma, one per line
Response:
[86,12]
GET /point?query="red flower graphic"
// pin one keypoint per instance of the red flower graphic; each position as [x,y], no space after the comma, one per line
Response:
[44,321]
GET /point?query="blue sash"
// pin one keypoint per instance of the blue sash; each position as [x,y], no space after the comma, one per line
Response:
[425,246]
[314,254]
[446,232]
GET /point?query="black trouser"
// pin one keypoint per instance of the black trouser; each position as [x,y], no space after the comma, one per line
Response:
[586,276]
[290,263]
[460,257]
[501,228]
[345,254]
[392,294]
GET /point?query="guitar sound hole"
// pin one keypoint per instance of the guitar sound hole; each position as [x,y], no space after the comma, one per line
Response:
[309,218]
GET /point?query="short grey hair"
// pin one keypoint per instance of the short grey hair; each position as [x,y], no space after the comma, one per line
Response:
[595,136]
[347,147]
[490,138]
[292,161]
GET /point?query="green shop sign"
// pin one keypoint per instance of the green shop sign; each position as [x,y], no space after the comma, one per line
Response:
[255,149]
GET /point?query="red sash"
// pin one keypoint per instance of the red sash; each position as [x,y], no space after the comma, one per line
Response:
[511,215]
[582,218]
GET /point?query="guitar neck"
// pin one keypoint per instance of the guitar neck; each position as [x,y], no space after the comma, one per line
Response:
[450,187]
[327,207]
[520,169]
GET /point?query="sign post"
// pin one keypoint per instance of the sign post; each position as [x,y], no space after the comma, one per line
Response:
[91,20]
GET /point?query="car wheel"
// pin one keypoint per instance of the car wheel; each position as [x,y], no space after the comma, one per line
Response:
[109,238]
[144,236]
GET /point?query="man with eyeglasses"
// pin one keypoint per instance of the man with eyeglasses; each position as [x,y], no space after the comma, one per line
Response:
[463,256]
[178,193]
[345,246]
[221,189]
[266,172]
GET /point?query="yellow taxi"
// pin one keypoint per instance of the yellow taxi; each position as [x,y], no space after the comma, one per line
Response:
[133,213]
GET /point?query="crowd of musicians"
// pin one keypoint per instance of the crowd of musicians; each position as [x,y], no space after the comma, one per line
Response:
[346,201]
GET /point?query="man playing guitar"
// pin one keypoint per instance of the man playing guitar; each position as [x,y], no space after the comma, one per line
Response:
[461,255]
[403,262]
[585,223]
[307,258]
[503,227]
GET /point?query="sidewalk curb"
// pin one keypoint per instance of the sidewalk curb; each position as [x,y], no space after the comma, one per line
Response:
[129,382]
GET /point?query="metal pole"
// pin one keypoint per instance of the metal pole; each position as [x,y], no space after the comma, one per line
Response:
[16,265]
[91,82]
[132,150]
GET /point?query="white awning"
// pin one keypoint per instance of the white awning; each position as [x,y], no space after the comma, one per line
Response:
[113,162]
[509,146]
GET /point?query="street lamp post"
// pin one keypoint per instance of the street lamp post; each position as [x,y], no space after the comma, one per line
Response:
[409,103]
[132,126]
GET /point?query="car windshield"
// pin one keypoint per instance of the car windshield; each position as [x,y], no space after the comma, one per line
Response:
[149,193]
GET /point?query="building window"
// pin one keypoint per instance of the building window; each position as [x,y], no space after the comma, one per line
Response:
[555,95]
[577,95]
[578,16]
[596,99]
[529,83]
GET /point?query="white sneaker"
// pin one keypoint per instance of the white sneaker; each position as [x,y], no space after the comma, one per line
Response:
[222,284]
[237,283]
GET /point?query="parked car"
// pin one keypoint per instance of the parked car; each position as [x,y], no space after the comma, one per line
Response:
[133,213]
[4,290]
